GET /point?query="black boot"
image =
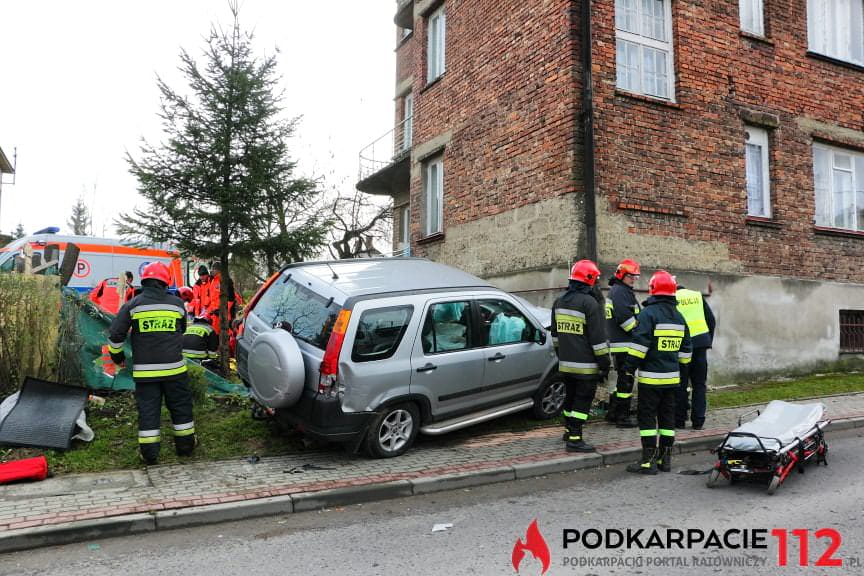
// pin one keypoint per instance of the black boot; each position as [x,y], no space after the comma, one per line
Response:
[664,461]
[579,446]
[647,465]
[575,442]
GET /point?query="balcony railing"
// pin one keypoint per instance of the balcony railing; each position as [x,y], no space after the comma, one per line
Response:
[393,146]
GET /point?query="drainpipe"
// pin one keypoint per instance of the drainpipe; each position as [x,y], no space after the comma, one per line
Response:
[588,135]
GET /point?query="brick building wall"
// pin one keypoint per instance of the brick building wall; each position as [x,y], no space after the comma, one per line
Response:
[505,112]
[687,157]
[671,187]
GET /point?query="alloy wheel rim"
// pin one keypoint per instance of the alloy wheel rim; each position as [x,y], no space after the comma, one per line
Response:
[553,397]
[395,430]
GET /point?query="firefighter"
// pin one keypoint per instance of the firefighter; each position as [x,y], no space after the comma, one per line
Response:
[621,310]
[579,337]
[188,296]
[200,341]
[157,321]
[701,323]
[199,290]
[130,290]
[660,344]
[214,291]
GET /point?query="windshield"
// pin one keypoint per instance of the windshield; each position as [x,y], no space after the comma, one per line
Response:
[311,315]
[7,256]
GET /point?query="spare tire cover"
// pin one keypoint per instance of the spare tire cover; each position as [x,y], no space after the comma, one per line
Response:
[276,370]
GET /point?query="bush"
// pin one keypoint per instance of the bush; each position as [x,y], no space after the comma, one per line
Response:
[29,327]
[198,384]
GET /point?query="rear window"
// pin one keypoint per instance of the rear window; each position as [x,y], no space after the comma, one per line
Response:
[311,315]
[379,332]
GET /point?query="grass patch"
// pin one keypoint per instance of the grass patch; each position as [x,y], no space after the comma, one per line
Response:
[787,389]
[224,426]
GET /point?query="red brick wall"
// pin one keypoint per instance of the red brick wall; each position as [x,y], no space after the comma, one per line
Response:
[688,158]
[509,97]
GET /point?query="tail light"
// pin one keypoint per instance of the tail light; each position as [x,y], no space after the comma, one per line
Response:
[330,363]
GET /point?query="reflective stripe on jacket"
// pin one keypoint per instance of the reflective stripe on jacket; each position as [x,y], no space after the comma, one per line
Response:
[621,310]
[157,321]
[661,341]
[200,341]
[579,334]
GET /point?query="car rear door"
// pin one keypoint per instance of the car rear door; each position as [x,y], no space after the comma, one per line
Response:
[514,361]
[446,362]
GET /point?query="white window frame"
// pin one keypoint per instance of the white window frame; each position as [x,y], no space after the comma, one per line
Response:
[433,188]
[825,215]
[758,137]
[405,223]
[752,15]
[436,44]
[828,27]
[642,42]
[407,121]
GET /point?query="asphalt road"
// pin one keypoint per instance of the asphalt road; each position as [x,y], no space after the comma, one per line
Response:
[396,537]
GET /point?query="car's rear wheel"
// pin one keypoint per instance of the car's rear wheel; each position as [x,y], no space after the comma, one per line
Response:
[393,430]
[549,399]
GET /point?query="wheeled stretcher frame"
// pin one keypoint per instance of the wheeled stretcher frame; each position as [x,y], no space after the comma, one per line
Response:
[745,455]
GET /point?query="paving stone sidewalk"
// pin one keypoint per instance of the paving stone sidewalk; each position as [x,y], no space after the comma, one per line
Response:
[435,463]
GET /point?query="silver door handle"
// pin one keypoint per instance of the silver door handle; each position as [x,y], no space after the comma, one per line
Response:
[429,367]
[497,357]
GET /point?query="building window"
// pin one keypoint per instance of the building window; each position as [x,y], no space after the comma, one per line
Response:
[838,176]
[644,59]
[852,331]
[404,228]
[836,28]
[433,192]
[436,32]
[752,16]
[758,174]
[406,32]
[407,121]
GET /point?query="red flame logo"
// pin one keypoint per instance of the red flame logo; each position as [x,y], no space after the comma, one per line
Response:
[534,543]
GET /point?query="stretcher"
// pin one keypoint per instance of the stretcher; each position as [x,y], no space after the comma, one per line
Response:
[781,438]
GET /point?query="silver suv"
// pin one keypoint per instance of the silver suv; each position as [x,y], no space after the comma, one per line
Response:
[373,352]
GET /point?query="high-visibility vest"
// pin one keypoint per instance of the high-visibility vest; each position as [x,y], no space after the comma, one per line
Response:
[691,307]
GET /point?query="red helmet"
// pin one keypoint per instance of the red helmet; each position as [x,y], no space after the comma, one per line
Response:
[627,266]
[156,271]
[585,271]
[662,283]
[185,293]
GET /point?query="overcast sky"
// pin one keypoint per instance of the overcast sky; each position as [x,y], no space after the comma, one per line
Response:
[78,89]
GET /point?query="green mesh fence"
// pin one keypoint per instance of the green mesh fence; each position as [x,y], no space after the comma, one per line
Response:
[100,373]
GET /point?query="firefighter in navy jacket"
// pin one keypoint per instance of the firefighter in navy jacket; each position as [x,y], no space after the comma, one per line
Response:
[660,345]
[157,321]
[200,341]
[579,336]
[621,310]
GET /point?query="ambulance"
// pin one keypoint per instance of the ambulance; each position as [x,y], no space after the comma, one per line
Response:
[100,260]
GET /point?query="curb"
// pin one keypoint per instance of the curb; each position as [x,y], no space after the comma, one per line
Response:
[25,538]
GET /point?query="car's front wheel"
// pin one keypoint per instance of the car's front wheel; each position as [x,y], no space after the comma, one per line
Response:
[549,399]
[393,430]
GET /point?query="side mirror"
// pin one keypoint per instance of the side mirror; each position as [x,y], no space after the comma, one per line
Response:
[540,336]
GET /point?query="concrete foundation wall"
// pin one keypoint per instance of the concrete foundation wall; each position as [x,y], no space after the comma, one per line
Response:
[768,324]
[765,325]
[497,245]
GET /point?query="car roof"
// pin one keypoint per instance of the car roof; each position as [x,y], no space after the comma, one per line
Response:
[365,276]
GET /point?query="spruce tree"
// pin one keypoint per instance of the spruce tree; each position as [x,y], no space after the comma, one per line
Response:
[19,232]
[221,184]
[80,220]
